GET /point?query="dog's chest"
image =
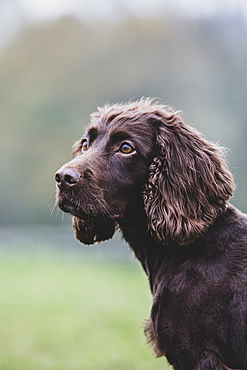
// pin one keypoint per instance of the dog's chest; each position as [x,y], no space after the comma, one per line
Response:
[187,310]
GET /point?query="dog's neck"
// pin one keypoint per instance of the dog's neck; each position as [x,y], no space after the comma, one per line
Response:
[134,228]
[153,254]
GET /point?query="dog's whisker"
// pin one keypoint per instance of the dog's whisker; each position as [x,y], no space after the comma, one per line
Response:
[103,204]
[52,210]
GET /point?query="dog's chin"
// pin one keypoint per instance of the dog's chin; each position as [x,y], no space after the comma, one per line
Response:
[78,212]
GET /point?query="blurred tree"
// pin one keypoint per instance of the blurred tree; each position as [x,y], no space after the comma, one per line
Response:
[54,75]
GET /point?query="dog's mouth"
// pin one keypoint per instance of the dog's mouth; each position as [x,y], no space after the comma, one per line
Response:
[74,209]
[68,206]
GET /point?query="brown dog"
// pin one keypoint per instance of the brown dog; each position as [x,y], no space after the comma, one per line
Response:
[141,168]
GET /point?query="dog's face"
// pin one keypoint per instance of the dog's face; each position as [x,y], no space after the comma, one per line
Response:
[142,155]
[101,182]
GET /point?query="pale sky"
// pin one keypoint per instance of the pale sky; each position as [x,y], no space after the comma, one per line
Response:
[14,12]
[44,9]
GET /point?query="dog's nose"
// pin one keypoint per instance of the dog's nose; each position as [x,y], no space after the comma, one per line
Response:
[67,178]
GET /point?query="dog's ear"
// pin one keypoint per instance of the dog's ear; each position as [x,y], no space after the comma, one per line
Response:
[188,185]
[92,230]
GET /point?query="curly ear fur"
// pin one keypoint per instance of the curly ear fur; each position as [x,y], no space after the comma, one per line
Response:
[91,230]
[189,183]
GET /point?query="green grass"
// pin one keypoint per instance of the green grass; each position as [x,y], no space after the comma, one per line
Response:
[68,315]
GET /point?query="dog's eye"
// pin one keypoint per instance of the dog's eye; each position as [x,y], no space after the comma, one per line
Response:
[126,148]
[84,145]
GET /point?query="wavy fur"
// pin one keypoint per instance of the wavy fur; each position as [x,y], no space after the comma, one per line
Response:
[188,185]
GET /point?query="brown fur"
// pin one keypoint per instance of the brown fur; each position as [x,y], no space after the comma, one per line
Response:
[168,195]
[188,185]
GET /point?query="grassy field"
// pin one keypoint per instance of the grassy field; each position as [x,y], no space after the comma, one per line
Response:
[68,315]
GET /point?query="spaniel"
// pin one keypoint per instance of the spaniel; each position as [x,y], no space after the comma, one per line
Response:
[140,168]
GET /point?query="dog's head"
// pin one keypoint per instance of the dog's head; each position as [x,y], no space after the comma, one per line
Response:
[142,152]
[109,171]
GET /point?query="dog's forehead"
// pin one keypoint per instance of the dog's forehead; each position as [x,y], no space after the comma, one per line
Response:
[138,128]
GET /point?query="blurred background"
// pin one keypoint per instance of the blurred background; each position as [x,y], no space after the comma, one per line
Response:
[59,60]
